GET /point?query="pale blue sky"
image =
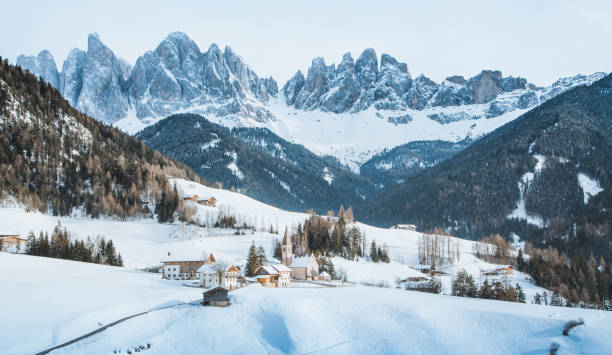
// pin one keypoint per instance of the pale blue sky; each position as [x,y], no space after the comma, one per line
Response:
[540,40]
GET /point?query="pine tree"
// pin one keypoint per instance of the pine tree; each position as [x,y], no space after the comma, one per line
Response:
[31,246]
[485,290]
[251,262]
[520,262]
[374,252]
[278,252]
[520,293]
[261,256]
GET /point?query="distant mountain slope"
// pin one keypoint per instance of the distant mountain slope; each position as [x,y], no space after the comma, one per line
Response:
[546,176]
[52,157]
[404,161]
[258,163]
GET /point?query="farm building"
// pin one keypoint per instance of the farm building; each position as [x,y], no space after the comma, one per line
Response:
[408,227]
[277,275]
[218,297]
[500,271]
[201,200]
[185,268]
[12,243]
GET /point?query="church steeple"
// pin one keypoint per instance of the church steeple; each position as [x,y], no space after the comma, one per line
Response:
[286,248]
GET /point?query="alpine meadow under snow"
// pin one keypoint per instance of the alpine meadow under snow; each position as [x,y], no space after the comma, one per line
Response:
[314,318]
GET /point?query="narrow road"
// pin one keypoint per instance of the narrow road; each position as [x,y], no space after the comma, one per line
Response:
[117,322]
[110,325]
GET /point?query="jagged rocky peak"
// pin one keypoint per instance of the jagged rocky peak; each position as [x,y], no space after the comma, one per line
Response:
[293,87]
[42,65]
[103,93]
[490,83]
[174,76]
[393,81]
[356,85]
[421,91]
[71,79]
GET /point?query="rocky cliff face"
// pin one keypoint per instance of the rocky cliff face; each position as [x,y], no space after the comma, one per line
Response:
[174,76]
[178,77]
[42,65]
[103,92]
[356,86]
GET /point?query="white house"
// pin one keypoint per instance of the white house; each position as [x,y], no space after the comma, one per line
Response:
[284,275]
[231,277]
[211,276]
[184,267]
[304,267]
[277,275]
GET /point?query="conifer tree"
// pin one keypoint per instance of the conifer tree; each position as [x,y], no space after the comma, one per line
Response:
[520,293]
[251,262]
[374,252]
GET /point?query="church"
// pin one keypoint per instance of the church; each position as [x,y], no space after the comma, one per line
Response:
[303,267]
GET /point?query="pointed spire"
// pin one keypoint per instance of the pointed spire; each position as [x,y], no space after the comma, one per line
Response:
[286,239]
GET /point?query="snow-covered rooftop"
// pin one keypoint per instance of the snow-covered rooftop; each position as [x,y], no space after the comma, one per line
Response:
[301,261]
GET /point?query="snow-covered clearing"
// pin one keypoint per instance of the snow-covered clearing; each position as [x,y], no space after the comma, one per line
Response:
[590,187]
[50,301]
[358,320]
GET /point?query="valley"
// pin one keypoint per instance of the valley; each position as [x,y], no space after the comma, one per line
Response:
[360,179]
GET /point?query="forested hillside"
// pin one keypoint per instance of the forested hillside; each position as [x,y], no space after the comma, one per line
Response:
[257,163]
[398,164]
[546,176]
[54,158]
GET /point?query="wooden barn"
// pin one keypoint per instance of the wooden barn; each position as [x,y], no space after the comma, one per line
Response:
[12,243]
[217,297]
[207,201]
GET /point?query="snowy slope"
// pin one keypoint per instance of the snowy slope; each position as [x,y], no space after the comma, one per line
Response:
[361,320]
[85,296]
[52,301]
[144,242]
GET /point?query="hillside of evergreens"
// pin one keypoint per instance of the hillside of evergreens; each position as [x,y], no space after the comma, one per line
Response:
[54,158]
[473,192]
[258,163]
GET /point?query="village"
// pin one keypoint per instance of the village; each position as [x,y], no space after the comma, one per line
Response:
[219,277]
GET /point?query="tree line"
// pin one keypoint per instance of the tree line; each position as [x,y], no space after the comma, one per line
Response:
[580,281]
[60,245]
[335,236]
[463,285]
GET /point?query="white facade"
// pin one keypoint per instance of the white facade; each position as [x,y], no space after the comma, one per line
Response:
[284,275]
[210,277]
[173,272]
[305,268]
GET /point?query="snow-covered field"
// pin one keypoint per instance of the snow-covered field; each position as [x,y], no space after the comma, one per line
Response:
[54,300]
[47,301]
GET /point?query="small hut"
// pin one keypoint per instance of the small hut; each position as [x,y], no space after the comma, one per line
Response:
[217,297]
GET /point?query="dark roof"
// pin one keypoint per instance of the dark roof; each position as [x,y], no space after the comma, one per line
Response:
[214,290]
